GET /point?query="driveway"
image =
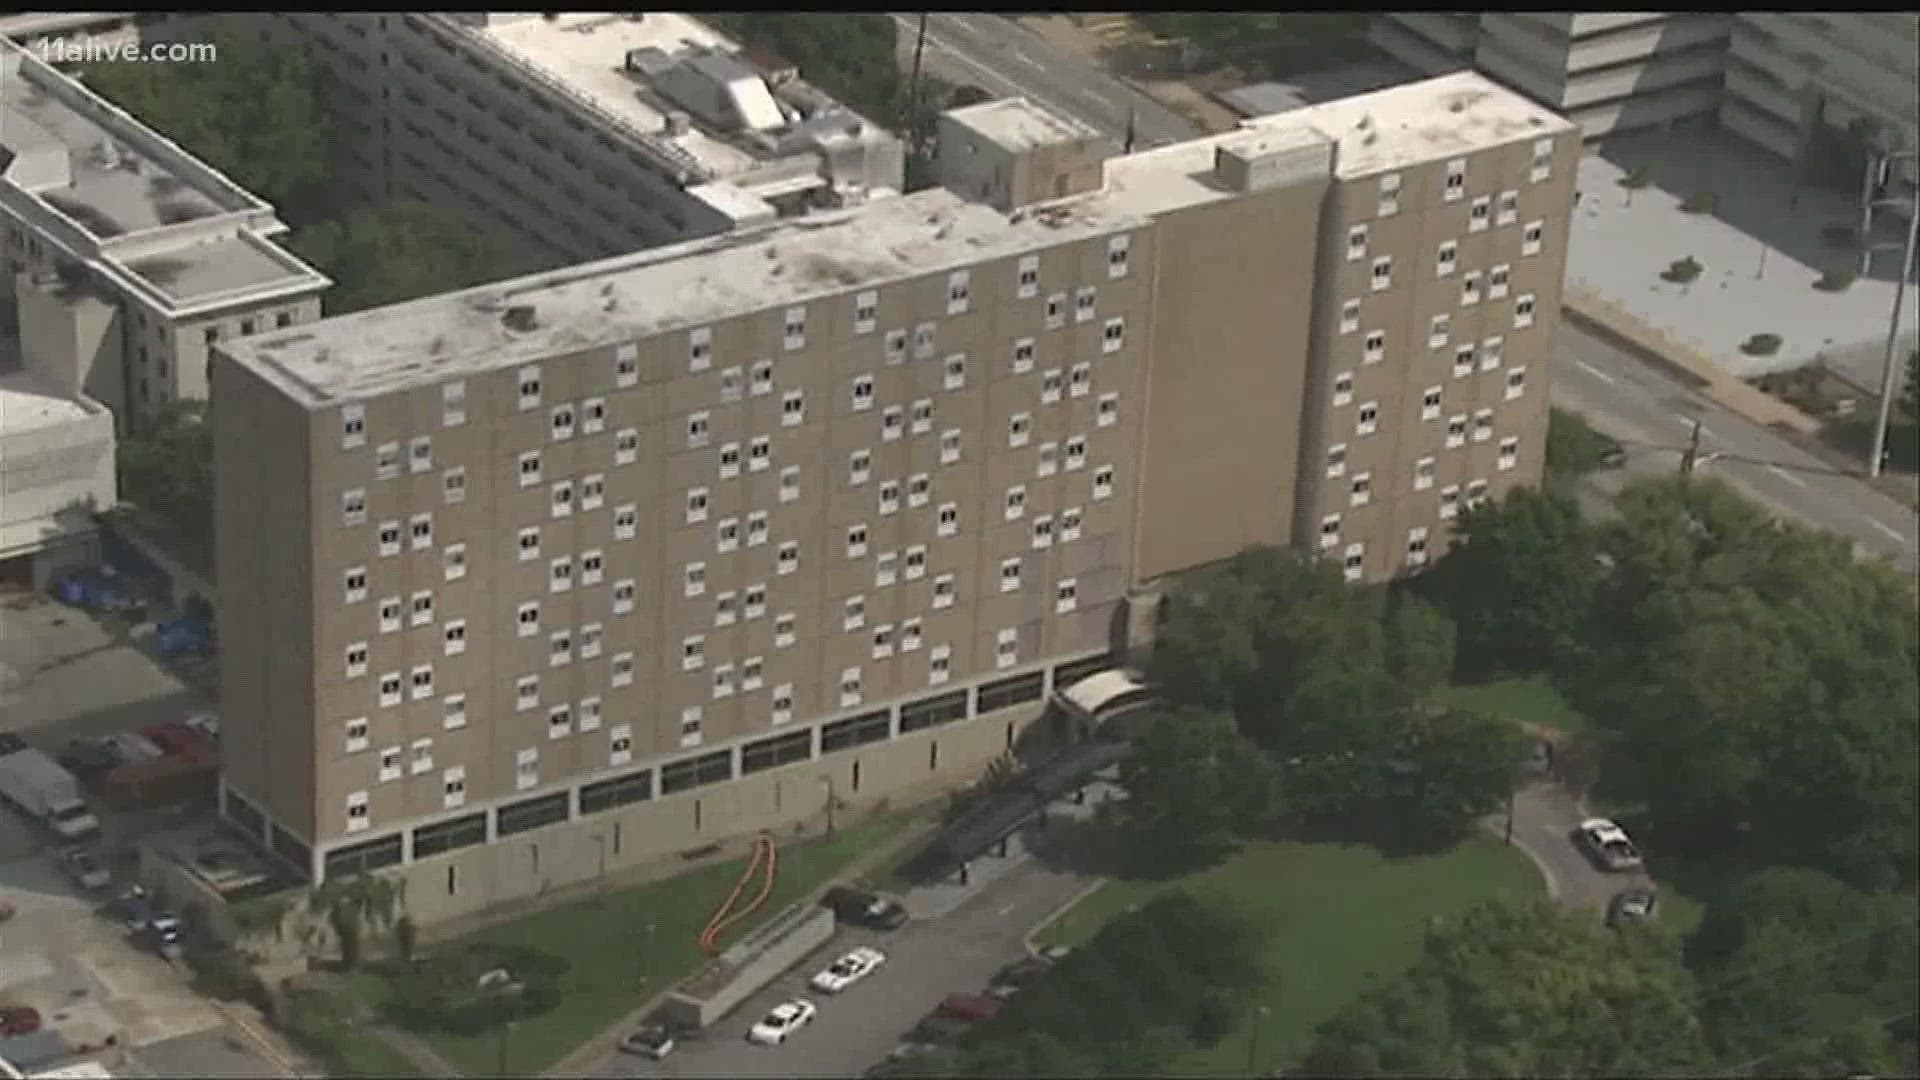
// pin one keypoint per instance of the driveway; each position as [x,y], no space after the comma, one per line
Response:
[926,960]
[1544,817]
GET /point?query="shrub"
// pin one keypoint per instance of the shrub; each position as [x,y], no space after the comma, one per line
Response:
[443,991]
[1835,281]
[224,975]
[1700,202]
[1761,345]
[1640,176]
[1574,448]
[1682,271]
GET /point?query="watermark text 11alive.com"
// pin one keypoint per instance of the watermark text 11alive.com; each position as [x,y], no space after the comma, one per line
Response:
[88,50]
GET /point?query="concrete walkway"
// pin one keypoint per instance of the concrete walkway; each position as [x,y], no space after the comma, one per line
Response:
[936,899]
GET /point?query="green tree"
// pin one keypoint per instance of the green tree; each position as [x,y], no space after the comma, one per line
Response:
[1762,684]
[1910,397]
[167,470]
[1520,583]
[255,116]
[353,905]
[1574,448]
[1523,989]
[401,251]
[1194,787]
[1801,971]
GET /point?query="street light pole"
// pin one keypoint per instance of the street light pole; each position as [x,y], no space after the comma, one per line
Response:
[827,782]
[646,958]
[1890,376]
[1253,1040]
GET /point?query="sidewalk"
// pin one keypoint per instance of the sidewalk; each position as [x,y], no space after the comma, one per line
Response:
[936,899]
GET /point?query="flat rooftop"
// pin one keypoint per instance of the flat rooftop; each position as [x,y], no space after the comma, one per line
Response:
[1420,121]
[635,296]
[118,180]
[1016,124]
[26,404]
[237,264]
[587,52]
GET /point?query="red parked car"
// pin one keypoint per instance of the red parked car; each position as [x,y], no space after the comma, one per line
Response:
[176,739]
[969,1007]
[17,1020]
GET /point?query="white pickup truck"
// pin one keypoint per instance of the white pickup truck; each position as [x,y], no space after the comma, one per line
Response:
[39,787]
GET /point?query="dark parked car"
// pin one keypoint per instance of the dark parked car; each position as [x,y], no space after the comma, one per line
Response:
[858,907]
[11,743]
[970,1007]
[1631,906]
[90,757]
[654,1041]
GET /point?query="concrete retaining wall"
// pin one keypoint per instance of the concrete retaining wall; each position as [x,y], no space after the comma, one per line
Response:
[748,967]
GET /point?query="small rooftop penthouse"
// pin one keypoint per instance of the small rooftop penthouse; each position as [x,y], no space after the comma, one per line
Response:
[726,117]
[100,188]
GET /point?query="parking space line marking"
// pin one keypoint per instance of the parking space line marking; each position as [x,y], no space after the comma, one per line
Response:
[1593,371]
[1888,529]
[1788,477]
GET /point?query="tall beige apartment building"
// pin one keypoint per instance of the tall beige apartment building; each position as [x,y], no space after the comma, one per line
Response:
[569,573]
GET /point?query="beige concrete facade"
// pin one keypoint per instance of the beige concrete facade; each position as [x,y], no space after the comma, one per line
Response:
[649,549]
[1609,72]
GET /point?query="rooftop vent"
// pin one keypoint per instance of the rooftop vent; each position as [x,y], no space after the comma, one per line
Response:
[108,154]
[1458,106]
[678,123]
[1365,122]
[521,317]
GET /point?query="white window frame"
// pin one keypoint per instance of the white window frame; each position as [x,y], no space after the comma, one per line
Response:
[1423,473]
[1430,402]
[386,461]
[947,520]
[942,592]
[699,349]
[922,416]
[1356,242]
[1343,388]
[1439,331]
[950,446]
[1482,425]
[529,468]
[1499,280]
[353,582]
[527,381]
[1113,335]
[1532,237]
[1447,258]
[1364,425]
[793,408]
[1086,303]
[790,483]
[729,457]
[1360,489]
[453,562]
[1014,506]
[760,378]
[453,636]
[626,365]
[1509,454]
[353,426]
[1336,461]
[1027,277]
[1456,431]
[1449,502]
[563,421]
[1107,409]
[353,507]
[626,446]
[626,521]
[1118,250]
[1492,353]
[861,393]
[866,312]
[693,580]
[787,559]
[1382,277]
[959,292]
[622,596]
[358,734]
[1516,382]
[1479,213]
[1455,184]
[1019,429]
[1523,306]
[699,502]
[1329,532]
[1349,316]
[1066,595]
[919,490]
[1507,208]
[1103,479]
[693,652]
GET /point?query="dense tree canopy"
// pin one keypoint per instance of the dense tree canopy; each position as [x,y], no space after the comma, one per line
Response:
[1523,989]
[387,254]
[167,472]
[1757,682]
[1333,683]
[1805,974]
[255,116]
[1574,447]
[1194,786]
[1152,985]
[1520,582]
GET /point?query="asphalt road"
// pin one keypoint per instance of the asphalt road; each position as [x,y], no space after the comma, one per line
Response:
[957,953]
[1652,414]
[1544,817]
[1001,57]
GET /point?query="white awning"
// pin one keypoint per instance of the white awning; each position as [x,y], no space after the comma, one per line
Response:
[1095,692]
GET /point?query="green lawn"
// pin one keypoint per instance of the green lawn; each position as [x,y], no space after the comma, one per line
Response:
[605,941]
[1529,700]
[1340,917]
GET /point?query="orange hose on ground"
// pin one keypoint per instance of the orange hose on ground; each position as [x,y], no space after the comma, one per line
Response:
[705,939]
[766,891]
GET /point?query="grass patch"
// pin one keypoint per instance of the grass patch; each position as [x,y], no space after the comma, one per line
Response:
[1340,917]
[1532,699]
[327,1023]
[604,941]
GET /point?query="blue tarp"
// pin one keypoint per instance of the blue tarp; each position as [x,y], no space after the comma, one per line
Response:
[90,590]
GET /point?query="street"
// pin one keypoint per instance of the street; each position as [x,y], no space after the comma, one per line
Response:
[1544,816]
[1001,57]
[926,960]
[1653,414]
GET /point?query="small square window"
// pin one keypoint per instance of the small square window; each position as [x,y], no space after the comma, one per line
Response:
[1382,273]
[1367,420]
[1349,316]
[626,446]
[626,365]
[1449,502]
[529,385]
[1516,382]
[955,373]
[1531,237]
[1085,303]
[1056,310]
[760,378]
[699,348]
[1027,279]
[1053,384]
[1479,213]
[563,422]
[1019,429]
[386,461]
[862,393]
[1423,474]
[454,561]
[1107,412]
[896,346]
[959,286]
[922,416]
[923,341]
[1336,460]
[948,519]
[793,409]
[1113,336]
[866,312]
[1023,356]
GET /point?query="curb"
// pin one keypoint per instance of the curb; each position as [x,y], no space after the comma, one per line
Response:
[1059,912]
[262,1040]
[1539,862]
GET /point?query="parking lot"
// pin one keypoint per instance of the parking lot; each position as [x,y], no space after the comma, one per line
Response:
[64,674]
[958,952]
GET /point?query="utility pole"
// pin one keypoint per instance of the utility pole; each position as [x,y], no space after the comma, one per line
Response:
[1691,456]
[827,782]
[1512,794]
[1133,120]
[1890,377]
[913,83]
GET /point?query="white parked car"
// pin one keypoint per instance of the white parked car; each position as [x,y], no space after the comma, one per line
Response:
[1608,844]
[849,969]
[207,724]
[785,1019]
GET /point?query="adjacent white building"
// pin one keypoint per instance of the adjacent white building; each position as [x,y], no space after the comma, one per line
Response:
[588,134]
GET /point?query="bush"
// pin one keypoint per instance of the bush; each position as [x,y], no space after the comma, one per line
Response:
[1835,281]
[442,990]
[1639,177]
[224,976]
[1574,448]
[1761,345]
[1682,271]
[1700,202]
